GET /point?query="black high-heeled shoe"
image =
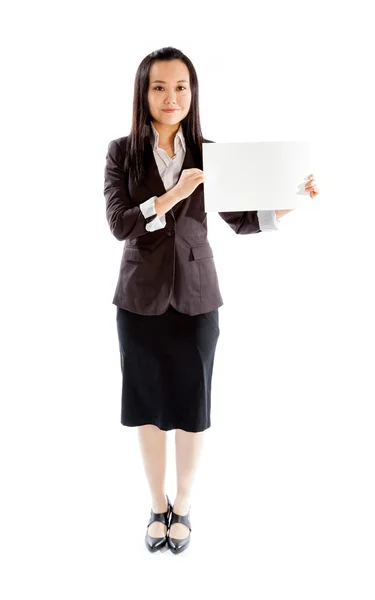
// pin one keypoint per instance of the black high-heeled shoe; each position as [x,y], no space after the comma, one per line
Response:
[155,543]
[175,544]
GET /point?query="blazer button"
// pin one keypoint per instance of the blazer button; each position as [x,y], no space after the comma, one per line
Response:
[170,231]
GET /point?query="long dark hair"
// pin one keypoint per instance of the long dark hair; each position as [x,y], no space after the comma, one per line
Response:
[141,123]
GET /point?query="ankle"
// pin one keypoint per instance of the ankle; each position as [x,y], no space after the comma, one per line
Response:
[181,505]
[159,503]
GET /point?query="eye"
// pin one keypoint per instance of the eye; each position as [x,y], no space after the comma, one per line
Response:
[158,86]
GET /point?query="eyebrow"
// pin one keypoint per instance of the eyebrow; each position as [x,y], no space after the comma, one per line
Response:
[160,81]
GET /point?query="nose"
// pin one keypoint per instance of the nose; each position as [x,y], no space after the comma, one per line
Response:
[171,98]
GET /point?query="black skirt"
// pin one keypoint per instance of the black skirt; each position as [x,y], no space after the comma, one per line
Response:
[167,363]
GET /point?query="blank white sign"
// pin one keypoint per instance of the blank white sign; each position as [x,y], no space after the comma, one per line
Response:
[254,175]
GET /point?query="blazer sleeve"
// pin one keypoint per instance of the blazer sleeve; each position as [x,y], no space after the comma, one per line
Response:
[125,220]
[252,221]
[242,221]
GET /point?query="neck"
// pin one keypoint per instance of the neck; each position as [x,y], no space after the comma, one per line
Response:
[166,133]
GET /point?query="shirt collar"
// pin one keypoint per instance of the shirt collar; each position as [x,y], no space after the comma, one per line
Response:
[179,138]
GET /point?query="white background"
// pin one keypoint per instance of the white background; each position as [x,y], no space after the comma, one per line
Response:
[283,501]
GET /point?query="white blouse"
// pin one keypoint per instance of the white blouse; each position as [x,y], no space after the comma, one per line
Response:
[169,169]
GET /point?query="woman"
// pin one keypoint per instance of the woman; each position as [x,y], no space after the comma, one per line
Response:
[167,294]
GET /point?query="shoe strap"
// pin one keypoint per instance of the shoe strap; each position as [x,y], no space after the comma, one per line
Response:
[184,519]
[162,517]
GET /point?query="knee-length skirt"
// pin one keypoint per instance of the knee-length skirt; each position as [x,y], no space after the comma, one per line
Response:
[167,365]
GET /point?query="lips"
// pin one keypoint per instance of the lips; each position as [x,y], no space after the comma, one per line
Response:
[167,110]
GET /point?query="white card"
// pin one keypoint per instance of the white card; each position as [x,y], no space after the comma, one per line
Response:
[254,175]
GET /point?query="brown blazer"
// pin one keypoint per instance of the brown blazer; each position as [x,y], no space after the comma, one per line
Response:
[174,265]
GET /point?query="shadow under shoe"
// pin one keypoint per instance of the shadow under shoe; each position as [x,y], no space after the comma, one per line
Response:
[175,544]
[156,543]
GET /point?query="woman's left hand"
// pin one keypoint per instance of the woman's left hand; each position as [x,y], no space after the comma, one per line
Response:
[310,186]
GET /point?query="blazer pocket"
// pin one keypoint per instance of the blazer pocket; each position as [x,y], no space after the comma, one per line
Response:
[203,251]
[136,254]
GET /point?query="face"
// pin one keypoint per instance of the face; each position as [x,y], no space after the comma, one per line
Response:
[169,87]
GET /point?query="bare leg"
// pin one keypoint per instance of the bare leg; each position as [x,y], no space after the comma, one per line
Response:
[188,451]
[153,445]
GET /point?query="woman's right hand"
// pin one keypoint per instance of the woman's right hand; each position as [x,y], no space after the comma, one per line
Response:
[189,180]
